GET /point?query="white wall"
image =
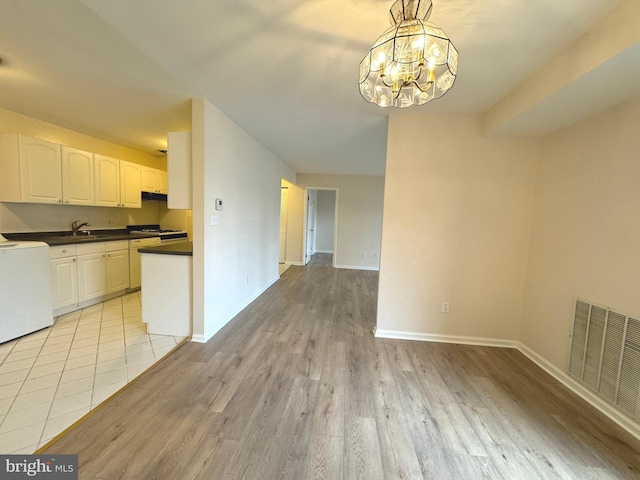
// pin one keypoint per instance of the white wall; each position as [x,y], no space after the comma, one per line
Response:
[325,220]
[359,223]
[586,227]
[457,217]
[237,259]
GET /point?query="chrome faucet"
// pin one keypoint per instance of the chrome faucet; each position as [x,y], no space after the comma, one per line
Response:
[75,227]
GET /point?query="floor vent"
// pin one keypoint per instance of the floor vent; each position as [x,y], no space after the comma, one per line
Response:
[605,355]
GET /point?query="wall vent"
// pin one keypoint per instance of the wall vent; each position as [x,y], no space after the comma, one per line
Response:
[605,355]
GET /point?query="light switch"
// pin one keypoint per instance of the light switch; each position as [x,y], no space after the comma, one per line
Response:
[214,219]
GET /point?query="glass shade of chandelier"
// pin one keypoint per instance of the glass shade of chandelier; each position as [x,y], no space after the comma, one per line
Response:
[412,62]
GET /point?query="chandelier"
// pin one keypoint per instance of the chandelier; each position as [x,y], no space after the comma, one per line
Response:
[412,62]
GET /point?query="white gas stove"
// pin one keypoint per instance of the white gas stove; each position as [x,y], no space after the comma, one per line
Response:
[155,231]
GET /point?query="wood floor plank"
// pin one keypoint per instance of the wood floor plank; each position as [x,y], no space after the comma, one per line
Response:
[360,380]
[235,420]
[325,458]
[210,459]
[427,432]
[522,430]
[398,455]
[287,455]
[503,452]
[314,352]
[328,417]
[264,420]
[297,386]
[398,358]
[362,450]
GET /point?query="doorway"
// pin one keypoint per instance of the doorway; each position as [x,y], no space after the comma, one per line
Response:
[321,223]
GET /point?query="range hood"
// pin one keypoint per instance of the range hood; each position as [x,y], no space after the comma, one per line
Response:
[156,197]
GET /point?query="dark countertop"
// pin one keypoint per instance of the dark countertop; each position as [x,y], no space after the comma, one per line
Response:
[65,238]
[182,248]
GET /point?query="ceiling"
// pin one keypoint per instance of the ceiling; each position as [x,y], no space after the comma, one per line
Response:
[284,70]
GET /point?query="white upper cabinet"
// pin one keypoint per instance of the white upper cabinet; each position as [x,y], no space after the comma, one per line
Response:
[107,181]
[163,182]
[38,171]
[130,185]
[77,177]
[31,170]
[153,180]
[117,183]
[148,179]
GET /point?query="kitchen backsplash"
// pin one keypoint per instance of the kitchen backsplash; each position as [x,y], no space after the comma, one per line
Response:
[25,217]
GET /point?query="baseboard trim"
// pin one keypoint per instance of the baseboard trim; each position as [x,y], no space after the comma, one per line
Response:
[324,251]
[358,267]
[587,395]
[210,333]
[90,302]
[429,337]
[198,338]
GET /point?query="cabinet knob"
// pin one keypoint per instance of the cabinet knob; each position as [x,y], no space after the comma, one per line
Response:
[75,259]
[67,201]
[64,251]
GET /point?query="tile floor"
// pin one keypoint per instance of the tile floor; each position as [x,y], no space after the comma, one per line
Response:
[51,378]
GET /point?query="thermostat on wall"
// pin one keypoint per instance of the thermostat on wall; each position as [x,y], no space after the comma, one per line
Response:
[219,205]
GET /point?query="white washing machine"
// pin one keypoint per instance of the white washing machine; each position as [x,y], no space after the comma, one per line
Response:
[25,288]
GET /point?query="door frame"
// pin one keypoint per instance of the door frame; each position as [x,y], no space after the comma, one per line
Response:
[305,227]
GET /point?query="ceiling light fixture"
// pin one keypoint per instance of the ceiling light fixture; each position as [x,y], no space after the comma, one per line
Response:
[412,62]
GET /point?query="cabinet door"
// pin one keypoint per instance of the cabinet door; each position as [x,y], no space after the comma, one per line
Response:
[77,177]
[163,182]
[148,179]
[40,171]
[107,181]
[130,185]
[64,282]
[117,271]
[91,276]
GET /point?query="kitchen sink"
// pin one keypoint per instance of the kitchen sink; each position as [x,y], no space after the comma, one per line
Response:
[81,237]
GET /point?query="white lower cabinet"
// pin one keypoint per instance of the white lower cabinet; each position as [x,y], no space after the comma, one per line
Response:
[117,270]
[64,276]
[91,274]
[87,273]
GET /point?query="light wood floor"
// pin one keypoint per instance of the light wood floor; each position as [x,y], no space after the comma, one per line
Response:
[297,387]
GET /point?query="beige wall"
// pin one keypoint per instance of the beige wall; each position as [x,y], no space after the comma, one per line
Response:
[295,220]
[457,217]
[359,223]
[585,233]
[237,259]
